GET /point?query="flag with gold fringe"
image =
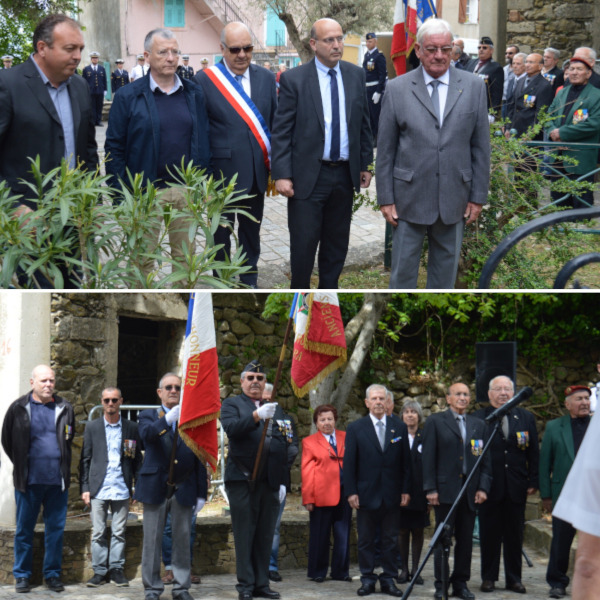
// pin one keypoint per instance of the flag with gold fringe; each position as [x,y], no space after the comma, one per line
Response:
[320,343]
[200,397]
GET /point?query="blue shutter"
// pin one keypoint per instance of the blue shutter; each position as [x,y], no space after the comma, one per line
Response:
[276,34]
[174,13]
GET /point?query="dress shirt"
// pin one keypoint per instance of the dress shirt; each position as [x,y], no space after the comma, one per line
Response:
[62,102]
[113,486]
[176,86]
[442,90]
[245,79]
[330,437]
[325,86]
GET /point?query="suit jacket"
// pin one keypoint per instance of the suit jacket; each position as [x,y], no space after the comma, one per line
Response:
[493,76]
[444,453]
[379,477]
[429,171]
[585,130]
[377,72]
[190,474]
[28,117]
[555,77]
[244,438]
[524,112]
[556,457]
[514,465]
[233,147]
[118,79]
[94,456]
[96,79]
[321,484]
[418,500]
[299,129]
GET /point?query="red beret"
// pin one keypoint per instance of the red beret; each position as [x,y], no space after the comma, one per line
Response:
[576,388]
[581,60]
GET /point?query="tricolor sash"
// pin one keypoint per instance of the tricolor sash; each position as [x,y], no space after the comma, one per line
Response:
[234,93]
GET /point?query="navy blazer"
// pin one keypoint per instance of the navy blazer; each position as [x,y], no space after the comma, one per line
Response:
[96,79]
[233,147]
[379,477]
[190,474]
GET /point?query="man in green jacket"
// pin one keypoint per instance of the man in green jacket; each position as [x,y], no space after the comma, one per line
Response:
[576,118]
[560,444]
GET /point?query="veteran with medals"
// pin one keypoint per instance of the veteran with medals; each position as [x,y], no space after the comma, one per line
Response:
[452,443]
[515,464]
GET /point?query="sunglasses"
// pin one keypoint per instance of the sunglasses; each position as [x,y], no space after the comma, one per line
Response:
[110,400]
[253,377]
[482,47]
[237,49]
[170,388]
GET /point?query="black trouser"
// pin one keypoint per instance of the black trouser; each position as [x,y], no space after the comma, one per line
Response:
[501,524]
[97,102]
[374,111]
[560,550]
[323,221]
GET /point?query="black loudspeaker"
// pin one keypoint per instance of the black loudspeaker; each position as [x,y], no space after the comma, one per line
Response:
[493,359]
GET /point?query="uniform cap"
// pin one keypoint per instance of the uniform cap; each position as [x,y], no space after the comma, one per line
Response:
[140,57]
[371,36]
[185,56]
[254,367]
[577,388]
[94,54]
[487,41]
[7,57]
[582,60]
[204,61]
[119,61]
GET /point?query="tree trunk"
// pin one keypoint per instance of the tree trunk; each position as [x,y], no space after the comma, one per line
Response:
[302,45]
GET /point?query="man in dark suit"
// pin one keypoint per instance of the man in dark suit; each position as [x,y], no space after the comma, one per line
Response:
[254,502]
[376,76]
[110,459]
[322,149]
[432,163]
[490,71]
[551,72]
[560,444]
[239,141]
[452,443]
[515,461]
[119,77]
[377,483]
[463,59]
[157,427]
[95,75]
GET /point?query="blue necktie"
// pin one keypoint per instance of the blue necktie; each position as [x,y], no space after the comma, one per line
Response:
[334,152]
[333,444]
[239,79]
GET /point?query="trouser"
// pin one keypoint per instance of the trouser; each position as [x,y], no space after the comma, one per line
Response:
[167,541]
[54,501]
[374,111]
[97,102]
[273,561]
[101,556]
[560,550]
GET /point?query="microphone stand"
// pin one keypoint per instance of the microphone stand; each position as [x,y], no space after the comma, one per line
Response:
[443,534]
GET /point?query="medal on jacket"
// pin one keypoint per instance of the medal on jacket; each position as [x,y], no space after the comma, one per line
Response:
[549,77]
[371,65]
[523,439]
[476,447]
[529,101]
[129,448]
[396,439]
[285,426]
[580,115]
[68,432]
[483,76]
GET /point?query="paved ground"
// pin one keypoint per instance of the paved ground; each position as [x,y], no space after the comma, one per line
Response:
[295,586]
[366,236]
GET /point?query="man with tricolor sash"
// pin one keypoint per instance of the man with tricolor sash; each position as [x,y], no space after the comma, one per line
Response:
[241,102]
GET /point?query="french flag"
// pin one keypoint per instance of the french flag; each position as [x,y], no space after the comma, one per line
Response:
[201,399]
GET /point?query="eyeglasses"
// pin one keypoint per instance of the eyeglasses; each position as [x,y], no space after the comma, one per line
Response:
[170,388]
[237,49]
[253,377]
[111,400]
[167,51]
[502,389]
[436,49]
[330,40]
[482,47]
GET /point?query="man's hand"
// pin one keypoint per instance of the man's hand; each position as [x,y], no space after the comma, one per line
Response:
[173,415]
[285,187]
[389,213]
[309,507]
[200,502]
[555,135]
[531,491]
[85,496]
[353,501]
[547,504]
[282,493]
[480,497]
[365,179]
[472,212]
[405,500]
[433,499]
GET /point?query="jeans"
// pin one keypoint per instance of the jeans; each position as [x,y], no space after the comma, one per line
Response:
[167,540]
[54,501]
[275,548]
[100,552]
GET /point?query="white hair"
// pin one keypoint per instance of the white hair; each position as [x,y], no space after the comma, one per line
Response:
[433,27]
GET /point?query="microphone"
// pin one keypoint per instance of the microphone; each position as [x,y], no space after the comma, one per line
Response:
[525,393]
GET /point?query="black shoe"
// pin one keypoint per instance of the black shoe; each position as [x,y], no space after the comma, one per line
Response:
[96,580]
[185,595]
[558,592]
[346,578]
[318,579]
[117,576]
[464,593]
[438,595]
[245,596]
[487,586]
[266,593]
[22,585]
[274,576]
[391,590]
[55,584]
[517,587]
[418,580]
[366,589]
[403,577]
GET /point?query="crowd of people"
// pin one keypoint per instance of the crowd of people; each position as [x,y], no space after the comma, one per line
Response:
[390,470]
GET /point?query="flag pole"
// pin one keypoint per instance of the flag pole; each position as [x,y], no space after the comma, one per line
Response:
[259,455]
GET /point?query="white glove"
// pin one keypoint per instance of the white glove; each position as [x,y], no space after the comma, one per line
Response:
[491,118]
[200,502]
[282,492]
[266,411]
[172,416]
[376,97]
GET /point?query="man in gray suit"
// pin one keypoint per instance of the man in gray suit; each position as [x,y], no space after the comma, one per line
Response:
[434,160]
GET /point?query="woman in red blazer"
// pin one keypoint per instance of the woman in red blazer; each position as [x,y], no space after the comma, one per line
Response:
[323,496]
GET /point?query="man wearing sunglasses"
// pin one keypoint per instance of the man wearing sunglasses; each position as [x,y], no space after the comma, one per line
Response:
[490,71]
[157,432]
[110,459]
[254,500]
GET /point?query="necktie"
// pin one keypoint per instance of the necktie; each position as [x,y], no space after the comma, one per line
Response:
[505,426]
[435,98]
[462,427]
[239,79]
[381,433]
[334,151]
[332,443]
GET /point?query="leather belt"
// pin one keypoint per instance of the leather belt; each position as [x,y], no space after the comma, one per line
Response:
[334,163]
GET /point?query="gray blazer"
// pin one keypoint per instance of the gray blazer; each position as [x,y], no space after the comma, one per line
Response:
[429,171]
